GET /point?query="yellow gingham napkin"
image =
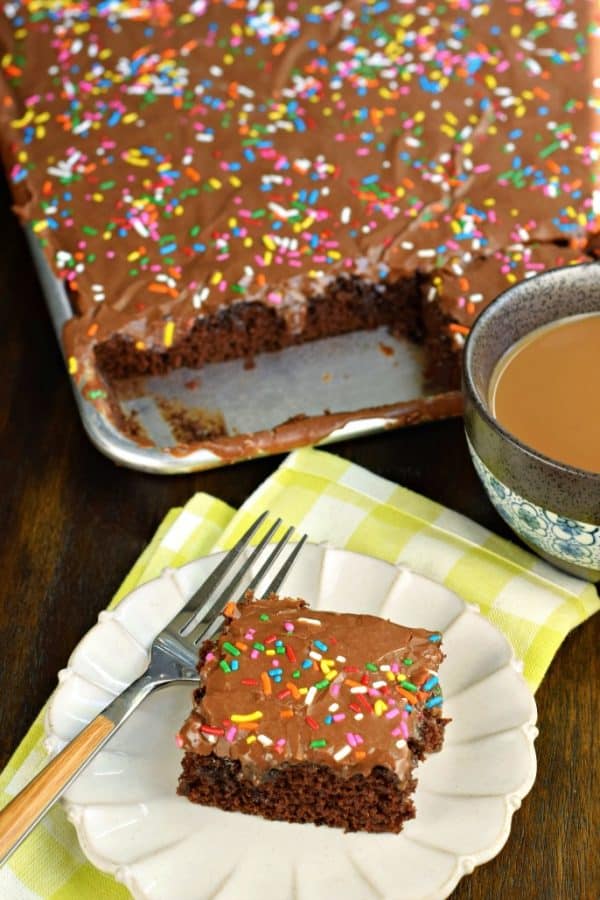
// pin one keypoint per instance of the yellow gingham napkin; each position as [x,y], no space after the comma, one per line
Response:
[336,501]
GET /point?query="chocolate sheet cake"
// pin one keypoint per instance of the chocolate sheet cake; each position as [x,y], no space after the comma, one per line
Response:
[217,179]
[311,716]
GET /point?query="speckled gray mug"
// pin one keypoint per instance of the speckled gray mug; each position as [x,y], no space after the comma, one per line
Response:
[553,507]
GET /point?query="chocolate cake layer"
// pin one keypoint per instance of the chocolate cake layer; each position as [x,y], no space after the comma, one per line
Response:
[302,793]
[178,159]
[313,716]
[246,329]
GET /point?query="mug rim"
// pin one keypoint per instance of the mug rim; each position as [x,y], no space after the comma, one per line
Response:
[475,396]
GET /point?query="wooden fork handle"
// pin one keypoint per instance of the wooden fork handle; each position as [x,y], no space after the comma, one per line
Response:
[21,814]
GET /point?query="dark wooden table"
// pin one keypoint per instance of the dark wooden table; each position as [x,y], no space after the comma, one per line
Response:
[73,523]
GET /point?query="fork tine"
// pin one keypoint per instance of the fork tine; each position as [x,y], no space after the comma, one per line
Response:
[172,659]
[279,578]
[269,560]
[214,627]
[194,604]
[220,600]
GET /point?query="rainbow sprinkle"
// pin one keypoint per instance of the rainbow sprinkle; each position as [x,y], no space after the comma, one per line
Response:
[360,708]
[198,154]
[176,157]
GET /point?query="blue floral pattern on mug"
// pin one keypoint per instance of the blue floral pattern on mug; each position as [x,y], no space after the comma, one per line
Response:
[567,539]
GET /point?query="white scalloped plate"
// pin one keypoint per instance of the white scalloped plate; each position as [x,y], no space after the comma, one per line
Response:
[131,823]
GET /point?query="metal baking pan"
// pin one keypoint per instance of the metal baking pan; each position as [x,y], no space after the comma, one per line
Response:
[317,393]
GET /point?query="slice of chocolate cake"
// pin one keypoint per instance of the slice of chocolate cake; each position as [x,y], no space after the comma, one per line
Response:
[309,716]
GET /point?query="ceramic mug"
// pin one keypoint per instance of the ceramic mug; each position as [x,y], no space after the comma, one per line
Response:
[553,507]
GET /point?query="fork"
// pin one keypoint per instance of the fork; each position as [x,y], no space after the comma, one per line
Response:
[173,658]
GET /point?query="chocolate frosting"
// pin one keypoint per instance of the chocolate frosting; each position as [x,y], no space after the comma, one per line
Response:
[303,430]
[461,287]
[177,157]
[285,684]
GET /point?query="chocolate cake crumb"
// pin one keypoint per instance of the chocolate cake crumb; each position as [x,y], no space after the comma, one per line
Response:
[132,426]
[189,424]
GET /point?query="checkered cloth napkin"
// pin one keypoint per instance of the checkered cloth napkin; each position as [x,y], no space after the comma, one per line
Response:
[335,501]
